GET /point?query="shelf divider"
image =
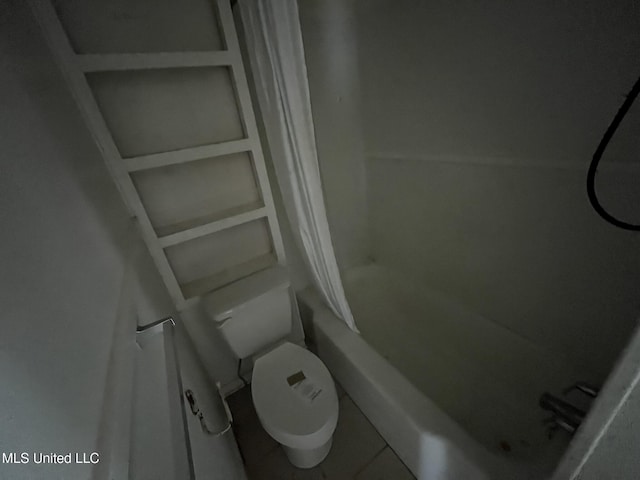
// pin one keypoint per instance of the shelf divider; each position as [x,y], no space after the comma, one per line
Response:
[144,61]
[163,159]
[212,227]
[225,277]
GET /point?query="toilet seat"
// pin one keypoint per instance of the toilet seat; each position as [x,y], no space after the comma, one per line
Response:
[290,417]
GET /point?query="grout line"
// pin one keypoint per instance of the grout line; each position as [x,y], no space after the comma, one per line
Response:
[402,462]
[363,414]
[371,460]
[375,429]
[502,161]
[386,445]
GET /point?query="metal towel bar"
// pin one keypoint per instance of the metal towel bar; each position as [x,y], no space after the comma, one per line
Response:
[157,323]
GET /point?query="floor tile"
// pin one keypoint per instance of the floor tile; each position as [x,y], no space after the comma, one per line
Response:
[386,466]
[253,441]
[240,402]
[339,390]
[355,443]
[276,466]
[356,446]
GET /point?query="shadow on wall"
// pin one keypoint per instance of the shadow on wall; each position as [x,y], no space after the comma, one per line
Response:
[480,121]
[519,246]
[47,107]
[66,245]
[538,80]
[219,361]
[71,154]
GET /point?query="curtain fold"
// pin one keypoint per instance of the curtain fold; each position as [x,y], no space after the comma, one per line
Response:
[276,52]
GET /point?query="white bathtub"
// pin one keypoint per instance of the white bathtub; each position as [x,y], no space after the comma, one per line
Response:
[417,373]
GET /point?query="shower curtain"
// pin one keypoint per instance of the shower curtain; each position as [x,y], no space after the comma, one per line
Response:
[274,44]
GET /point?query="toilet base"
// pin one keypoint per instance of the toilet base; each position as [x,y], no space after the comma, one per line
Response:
[307,458]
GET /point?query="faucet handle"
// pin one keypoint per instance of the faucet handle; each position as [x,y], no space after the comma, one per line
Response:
[583,387]
[555,423]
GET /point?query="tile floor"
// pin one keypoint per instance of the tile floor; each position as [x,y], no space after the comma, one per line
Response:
[358,450]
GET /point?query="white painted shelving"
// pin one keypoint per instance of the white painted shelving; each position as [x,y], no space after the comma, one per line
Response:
[178,133]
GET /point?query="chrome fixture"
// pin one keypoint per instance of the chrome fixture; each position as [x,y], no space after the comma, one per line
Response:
[565,415]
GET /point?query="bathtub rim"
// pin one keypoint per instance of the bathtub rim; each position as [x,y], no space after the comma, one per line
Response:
[374,385]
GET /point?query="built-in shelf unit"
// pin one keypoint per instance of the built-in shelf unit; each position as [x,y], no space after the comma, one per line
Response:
[164,93]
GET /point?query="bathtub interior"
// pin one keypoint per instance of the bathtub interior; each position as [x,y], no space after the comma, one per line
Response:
[487,378]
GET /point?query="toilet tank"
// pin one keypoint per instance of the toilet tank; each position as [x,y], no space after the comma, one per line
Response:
[252,313]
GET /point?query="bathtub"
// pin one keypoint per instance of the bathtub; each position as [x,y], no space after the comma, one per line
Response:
[454,395]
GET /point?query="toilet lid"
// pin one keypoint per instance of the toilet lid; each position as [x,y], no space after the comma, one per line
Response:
[295,397]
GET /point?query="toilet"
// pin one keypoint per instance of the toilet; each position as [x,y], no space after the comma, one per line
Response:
[293,392]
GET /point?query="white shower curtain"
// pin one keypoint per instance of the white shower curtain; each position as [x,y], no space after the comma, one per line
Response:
[274,44]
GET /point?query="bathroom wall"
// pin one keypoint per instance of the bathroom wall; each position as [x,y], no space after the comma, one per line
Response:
[330,43]
[74,281]
[479,124]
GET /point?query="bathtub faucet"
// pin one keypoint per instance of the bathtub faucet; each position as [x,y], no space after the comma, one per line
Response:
[565,415]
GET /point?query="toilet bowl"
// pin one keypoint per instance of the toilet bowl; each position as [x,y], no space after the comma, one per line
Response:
[296,402]
[293,392]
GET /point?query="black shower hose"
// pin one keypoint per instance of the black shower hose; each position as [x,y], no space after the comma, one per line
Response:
[591,175]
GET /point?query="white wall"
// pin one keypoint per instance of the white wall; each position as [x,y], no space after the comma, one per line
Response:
[520,246]
[74,281]
[534,80]
[479,122]
[67,247]
[329,35]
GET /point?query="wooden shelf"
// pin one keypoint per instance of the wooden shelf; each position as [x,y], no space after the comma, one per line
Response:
[160,111]
[202,226]
[175,157]
[204,285]
[144,61]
